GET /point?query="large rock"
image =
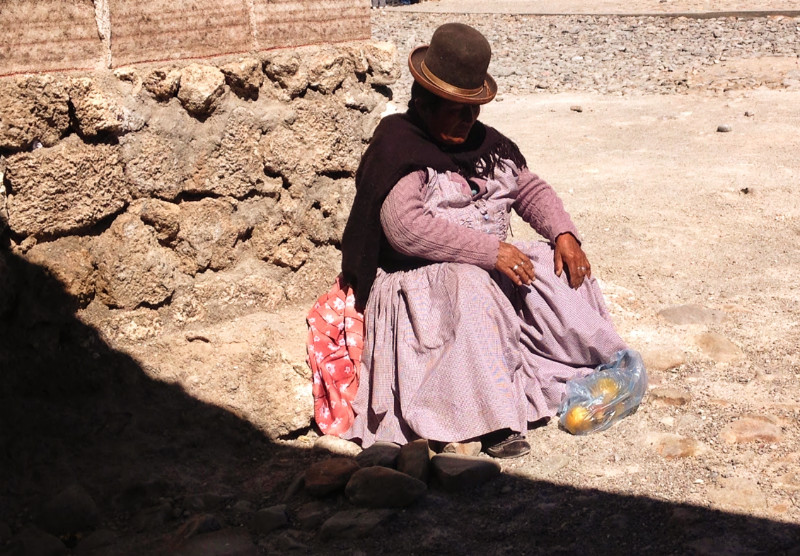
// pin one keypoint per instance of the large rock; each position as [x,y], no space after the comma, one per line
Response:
[384,454]
[201,89]
[207,235]
[381,487]
[176,154]
[66,189]
[32,108]
[414,460]
[96,111]
[68,259]
[244,77]
[162,83]
[132,268]
[461,472]
[330,475]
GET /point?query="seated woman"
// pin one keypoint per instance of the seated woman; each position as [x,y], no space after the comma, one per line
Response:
[467,336]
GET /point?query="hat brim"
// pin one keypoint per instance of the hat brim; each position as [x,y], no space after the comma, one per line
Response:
[487,93]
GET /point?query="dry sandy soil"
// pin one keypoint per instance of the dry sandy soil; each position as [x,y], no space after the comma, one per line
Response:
[672,213]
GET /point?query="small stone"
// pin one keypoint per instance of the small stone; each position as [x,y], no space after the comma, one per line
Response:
[718,347]
[244,77]
[269,519]
[463,448]
[576,108]
[461,472]
[692,314]
[670,396]
[414,460]
[749,114]
[673,446]
[330,475]
[724,128]
[201,89]
[381,487]
[353,524]
[226,542]
[311,515]
[163,84]
[751,429]
[336,445]
[70,511]
[384,454]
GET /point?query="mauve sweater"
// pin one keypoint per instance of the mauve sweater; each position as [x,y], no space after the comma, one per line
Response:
[413,232]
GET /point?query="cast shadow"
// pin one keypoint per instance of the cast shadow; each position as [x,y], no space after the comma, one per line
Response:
[74,410]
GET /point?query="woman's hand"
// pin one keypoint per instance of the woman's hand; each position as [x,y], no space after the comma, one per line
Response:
[515,264]
[568,253]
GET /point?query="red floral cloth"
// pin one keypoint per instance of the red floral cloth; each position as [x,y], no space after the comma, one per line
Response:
[335,343]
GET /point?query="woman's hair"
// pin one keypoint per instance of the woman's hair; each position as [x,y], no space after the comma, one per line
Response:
[426,98]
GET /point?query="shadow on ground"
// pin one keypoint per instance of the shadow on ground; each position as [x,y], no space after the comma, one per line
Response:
[75,411]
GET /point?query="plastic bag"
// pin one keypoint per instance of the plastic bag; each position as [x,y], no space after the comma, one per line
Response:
[613,391]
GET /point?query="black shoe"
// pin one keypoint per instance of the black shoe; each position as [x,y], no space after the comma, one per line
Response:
[513,446]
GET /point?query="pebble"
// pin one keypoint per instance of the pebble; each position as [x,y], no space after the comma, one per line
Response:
[724,128]
[718,347]
[749,114]
[328,476]
[576,108]
[226,542]
[353,524]
[337,446]
[414,460]
[461,472]
[70,511]
[691,314]
[384,454]
[669,396]
[674,446]
[268,519]
[381,487]
[463,448]
[751,429]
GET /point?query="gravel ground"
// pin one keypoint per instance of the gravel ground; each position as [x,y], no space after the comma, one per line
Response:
[608,55]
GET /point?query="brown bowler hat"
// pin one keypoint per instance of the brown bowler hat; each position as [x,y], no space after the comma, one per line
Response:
[454,65]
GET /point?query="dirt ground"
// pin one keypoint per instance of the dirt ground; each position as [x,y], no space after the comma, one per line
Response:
[672,212]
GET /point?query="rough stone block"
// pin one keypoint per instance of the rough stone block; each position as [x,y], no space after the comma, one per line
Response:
[65,189]
[381,487]
[155,30]
[207,235]
[32,108]
[49,35]
[132,268]
[201,89]
[68,259]
[330,475]
[298,22]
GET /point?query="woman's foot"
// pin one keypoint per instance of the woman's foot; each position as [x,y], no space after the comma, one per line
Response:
[512,446]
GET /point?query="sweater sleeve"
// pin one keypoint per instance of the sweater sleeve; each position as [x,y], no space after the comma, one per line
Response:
[539,205]
[414,232]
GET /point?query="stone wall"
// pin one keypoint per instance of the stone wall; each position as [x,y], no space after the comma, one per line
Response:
[169,199]
[58,35]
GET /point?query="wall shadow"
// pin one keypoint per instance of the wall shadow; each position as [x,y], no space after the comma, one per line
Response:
[74,410]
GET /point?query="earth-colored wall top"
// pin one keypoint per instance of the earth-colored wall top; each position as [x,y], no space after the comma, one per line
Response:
[39,36]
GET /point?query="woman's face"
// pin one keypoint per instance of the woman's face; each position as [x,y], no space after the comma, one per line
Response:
[450,122]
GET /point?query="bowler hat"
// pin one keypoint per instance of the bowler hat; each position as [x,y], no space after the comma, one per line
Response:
[454,65]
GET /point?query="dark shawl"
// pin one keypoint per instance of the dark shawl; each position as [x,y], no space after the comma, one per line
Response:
[399,146]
